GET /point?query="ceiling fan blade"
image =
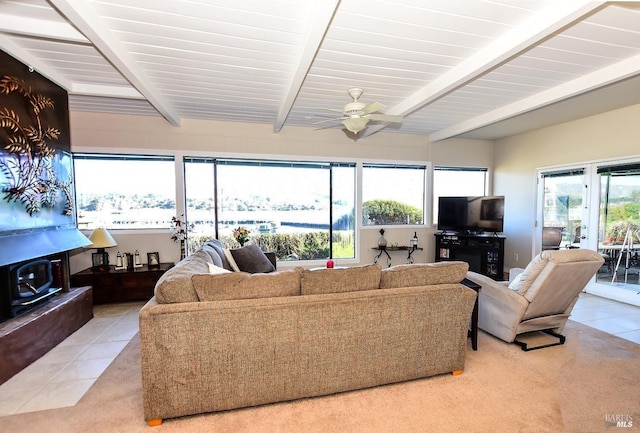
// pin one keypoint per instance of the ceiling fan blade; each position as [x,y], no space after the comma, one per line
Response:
[328,120]
[385,118]
[327,126]
[373,107]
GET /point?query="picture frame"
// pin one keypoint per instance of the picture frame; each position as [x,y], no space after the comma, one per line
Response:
[153,260]
[100,261]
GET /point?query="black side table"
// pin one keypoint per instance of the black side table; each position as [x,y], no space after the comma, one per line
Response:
[473,332]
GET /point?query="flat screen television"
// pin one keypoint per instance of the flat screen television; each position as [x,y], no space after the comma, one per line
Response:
[471,214]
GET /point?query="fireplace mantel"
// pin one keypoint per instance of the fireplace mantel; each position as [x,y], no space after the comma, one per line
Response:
[29,245]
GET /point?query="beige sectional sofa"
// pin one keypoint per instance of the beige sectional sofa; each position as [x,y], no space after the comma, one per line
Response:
[215,340]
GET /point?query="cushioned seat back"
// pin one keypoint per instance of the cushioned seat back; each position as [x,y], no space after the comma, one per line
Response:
[560,281]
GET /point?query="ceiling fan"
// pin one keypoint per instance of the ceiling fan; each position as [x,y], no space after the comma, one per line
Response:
[356,115]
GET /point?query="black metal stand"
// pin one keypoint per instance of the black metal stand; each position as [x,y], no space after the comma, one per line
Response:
[386,250]
[383,250]
[561,339]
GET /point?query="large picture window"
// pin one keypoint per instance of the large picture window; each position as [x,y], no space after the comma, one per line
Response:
[393,194]
[300,210]
[124,191]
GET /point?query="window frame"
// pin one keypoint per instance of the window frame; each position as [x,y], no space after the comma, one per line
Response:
[426,188]
[178,157]
[274,161]
[434,197]
[96,155]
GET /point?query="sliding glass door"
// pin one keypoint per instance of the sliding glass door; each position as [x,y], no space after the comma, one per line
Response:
[595,206]
[619,224]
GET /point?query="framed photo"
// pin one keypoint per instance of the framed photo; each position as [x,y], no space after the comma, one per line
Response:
[153,260]
[100,261]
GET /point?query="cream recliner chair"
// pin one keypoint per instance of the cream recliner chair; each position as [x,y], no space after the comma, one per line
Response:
[539,298]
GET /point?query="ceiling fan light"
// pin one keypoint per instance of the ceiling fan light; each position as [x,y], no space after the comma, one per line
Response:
[355,124]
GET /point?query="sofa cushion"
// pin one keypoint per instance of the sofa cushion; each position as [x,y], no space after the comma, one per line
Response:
[175,286]
[219,248]
[423,274]
[252,259]
[321,281]
[242,285]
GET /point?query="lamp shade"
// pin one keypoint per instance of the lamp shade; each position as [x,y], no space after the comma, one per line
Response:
[355,124]
[101,238]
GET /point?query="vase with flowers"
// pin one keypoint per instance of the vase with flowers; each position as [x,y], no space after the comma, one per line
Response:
[241,235]
[179,231]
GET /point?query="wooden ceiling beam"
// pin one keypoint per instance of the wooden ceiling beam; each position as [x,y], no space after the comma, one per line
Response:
[82,17]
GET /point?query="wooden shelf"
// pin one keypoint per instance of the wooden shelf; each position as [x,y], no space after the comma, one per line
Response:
[396,248]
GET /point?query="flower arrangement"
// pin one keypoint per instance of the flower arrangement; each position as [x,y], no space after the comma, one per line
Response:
[241,235]
[179,231]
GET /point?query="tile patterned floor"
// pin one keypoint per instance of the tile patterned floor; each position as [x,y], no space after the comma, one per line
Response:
[62,376]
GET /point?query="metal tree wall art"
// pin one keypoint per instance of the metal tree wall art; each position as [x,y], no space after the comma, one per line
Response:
[31,177]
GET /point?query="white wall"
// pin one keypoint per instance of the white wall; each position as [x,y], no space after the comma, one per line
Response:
[153,135]
[517,158]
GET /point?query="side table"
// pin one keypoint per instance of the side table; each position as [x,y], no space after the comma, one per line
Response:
[386,250]
[473,332]
[121,285]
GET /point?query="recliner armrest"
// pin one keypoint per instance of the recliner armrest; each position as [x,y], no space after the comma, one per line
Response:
[514,272]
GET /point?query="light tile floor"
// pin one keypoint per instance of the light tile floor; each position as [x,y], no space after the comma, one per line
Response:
[612,317]
[62,376]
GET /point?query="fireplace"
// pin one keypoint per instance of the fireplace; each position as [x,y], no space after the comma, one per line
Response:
[38,308]
[30,283]
[34,265]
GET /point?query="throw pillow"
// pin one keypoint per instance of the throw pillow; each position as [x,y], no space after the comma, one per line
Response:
[215,257]
[523,281]
[321,281]
[219,248]
[231,260]
[241,285]
[251,259]
[423,274]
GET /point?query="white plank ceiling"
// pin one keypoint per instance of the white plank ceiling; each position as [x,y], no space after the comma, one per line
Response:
[471,68]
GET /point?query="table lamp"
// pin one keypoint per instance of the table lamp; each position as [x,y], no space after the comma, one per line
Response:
[101,239]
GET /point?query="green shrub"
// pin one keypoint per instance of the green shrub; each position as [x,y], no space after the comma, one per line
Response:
[390,212]
[290,246]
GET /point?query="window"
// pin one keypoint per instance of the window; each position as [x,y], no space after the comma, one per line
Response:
[457,181]
[300,210]
[562,211]
[393,194]
[124,191]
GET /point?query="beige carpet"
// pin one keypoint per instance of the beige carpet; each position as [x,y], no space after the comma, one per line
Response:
[578,387]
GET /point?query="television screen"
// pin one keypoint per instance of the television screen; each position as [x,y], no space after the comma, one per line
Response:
[492,214]
[452,213]
[471,214]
